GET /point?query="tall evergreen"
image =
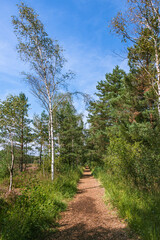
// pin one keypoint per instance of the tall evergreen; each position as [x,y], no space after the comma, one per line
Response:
[105,112]
[40,129]
[69,132]
[24,127]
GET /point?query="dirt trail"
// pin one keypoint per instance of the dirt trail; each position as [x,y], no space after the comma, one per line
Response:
[87,216]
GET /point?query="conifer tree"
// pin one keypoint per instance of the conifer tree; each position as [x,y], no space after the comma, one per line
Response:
[24,125]
[105,112]
[69,131]
[40,129]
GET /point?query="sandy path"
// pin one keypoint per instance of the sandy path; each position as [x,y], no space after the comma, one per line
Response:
[87,216]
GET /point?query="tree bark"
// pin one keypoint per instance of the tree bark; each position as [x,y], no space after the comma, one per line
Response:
[22,155]
[159,99]
[158,72]
[49,136]
[52,145]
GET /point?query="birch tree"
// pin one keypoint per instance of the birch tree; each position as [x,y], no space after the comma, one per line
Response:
[46,60]
[140,22]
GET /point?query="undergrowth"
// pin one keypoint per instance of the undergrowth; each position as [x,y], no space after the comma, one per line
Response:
[140,209]
[32,214]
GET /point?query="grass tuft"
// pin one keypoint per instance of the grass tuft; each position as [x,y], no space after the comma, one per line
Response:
[140,209]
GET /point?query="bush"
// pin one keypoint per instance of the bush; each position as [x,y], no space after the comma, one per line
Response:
[36,209]
[133,162]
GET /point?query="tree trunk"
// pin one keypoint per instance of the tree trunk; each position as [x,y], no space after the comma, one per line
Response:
[40,155]
[22,155]
[49,136]
[159,99]
[26,161]
[12,167]
[158,72]
[52,145]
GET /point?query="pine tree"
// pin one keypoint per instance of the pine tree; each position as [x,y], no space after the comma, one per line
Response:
[40,129]
[105,112]
[24,125]
[69,131]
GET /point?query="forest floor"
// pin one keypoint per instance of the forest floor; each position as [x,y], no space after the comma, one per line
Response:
[88,217]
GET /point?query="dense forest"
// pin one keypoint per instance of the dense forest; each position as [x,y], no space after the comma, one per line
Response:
[42,159]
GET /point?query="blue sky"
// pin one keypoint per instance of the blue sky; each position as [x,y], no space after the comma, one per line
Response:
[81,27]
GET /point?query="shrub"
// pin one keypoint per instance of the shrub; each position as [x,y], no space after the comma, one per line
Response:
[36,209]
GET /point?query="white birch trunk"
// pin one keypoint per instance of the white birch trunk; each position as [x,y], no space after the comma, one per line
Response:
[159,99]
[49,136]
[158,74]
[52,145]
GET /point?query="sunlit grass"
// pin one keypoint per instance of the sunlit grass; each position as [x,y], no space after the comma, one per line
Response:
[140,209]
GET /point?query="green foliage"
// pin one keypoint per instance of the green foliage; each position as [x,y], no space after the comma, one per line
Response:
[14,130]
[40,129]
[134,161]
[32,213]
[69,130]
[126,112]
[68,185]
[121,157]
[4,163]
[37,207]
[140,209]
[124,133]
